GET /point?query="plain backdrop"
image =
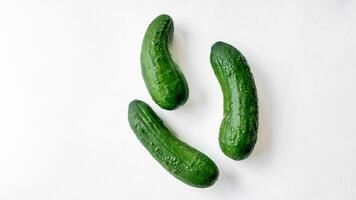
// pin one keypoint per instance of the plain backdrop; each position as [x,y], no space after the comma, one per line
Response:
[69,68]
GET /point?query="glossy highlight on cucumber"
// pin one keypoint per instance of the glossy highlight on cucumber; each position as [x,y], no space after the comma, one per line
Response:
[238,129]
[178,158]
[163,78]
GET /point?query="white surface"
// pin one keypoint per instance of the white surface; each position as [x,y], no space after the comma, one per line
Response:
[68,70]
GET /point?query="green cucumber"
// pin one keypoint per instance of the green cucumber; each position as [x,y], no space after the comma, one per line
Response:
[163,78]
[181,160]
[238,130]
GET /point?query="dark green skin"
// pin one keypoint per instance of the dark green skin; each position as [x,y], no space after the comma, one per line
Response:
[163,78]
[238,130]
[178,158]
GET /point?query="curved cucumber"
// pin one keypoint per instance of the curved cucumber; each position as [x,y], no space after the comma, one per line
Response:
[163,78]
[238,130]
[181,160]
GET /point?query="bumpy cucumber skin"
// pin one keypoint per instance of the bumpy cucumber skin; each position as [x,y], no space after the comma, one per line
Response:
[181,160]
[163,78]
[238,130]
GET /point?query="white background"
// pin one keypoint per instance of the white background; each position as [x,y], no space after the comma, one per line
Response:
[69,68]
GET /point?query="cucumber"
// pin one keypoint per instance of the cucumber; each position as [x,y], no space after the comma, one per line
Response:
[238,129]
[181,160]
[163,78]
